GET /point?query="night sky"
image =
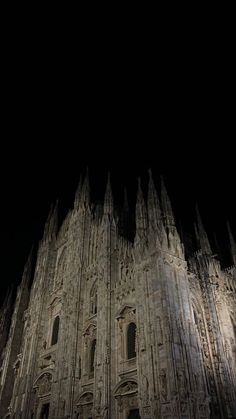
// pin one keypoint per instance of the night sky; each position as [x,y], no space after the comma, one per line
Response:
[37,174]
[161,98]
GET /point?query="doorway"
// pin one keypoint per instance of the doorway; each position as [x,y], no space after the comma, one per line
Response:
[134,414]
[45,411]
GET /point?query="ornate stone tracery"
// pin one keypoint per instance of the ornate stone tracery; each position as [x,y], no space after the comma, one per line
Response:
[43,384]
[126,395]
[84,406]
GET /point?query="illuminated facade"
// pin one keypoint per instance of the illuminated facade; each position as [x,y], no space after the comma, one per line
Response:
[112,328]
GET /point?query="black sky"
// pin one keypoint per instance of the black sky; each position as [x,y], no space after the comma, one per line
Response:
[168,108]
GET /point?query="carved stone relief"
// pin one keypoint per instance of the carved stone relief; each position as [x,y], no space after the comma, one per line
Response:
[17,363]
[47,362]
[43,384]
[85,404]
[90,331]
[126,395]
[163,385]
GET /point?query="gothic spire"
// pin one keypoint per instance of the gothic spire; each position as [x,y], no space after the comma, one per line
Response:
[125,210]
[5,316]
[124,224]
[232,244]
[28,268]
[108,198]
[168,215]
[154,210]
[201,235]
[141,211]
[8,299]
[52,222]
[217,245]
[85,191]
[78,193]
[28,264]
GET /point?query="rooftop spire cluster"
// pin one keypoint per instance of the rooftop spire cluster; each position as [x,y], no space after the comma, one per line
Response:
[153,211]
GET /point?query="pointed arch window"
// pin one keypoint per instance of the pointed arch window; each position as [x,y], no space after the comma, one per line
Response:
[55,330]
[93,299]
[92,356]
[131,341]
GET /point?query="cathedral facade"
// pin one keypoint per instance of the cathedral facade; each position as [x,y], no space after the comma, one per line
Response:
[120,329]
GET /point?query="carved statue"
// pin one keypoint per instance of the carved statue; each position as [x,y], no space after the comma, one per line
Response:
[163,384]
[181,383]
[17,363]
[127,387]
[99,392]
[146,388]
[47,363]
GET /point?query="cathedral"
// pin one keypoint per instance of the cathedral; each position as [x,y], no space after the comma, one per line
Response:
[104,326]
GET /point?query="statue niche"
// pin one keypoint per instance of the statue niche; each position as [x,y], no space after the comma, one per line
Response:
[90,340]
[93,299]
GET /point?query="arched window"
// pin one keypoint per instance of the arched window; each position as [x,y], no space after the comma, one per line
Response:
[131,338]
[92,356]
[93,299]
[55,330]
